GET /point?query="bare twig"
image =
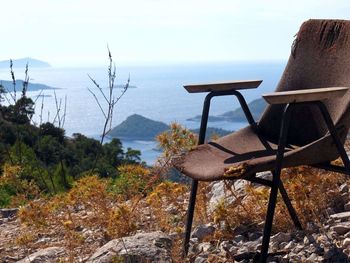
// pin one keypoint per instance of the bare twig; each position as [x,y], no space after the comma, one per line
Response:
[13,81]
[4,94]
[41,110]
[108,96]
[98,87]
[98,102]
[38,96]
[25,82]
[64,111]
[13,96]
[58,117]
[109,100]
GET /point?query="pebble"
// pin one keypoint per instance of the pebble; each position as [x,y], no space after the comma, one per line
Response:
[225,245]
[290,245]
[345,197]
[341,216]
[298,248]
[309,240]
[344,188]
[43,255]
[205,247]
[200,259]
[347,206]
[8,212]
[341,228]
[253,236]
[346,242]
[203,231]
[239,238]
[281,237]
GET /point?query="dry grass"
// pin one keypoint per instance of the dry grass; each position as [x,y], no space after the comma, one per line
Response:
[96,210]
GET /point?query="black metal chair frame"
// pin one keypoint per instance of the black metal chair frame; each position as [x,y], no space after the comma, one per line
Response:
[275,184]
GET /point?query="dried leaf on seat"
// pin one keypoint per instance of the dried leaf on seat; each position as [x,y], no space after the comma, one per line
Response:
[236,170]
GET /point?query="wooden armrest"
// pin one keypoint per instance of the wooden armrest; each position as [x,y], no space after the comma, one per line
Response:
[223,86]
[304,95]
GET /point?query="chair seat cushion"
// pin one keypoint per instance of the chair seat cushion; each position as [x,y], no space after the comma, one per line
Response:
[244,153]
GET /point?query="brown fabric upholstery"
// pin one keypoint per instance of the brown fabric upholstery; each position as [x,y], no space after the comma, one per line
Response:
[320,58]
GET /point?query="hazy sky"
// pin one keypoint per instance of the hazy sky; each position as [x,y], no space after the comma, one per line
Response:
[76,32]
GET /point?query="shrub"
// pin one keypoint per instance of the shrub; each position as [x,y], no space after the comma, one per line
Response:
[176,141]
[167,206]
[14,189]
[131,181]
[310,190]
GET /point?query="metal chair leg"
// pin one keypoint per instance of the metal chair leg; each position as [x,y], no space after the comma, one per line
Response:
[290,208]
[190,212]
[275,183]
[268,223]
[334,134]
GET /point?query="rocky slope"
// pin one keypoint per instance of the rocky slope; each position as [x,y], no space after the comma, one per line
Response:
[327,241]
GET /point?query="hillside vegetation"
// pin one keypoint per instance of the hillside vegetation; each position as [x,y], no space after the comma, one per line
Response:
[45,160]
[97,210]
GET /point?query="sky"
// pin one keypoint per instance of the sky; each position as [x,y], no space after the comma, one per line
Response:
[77,32]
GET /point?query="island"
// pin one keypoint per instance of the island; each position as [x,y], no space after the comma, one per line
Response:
[137,127]
[22,62]
[256,107]
[8,85]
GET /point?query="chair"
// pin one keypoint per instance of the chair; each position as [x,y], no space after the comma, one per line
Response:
[305,123]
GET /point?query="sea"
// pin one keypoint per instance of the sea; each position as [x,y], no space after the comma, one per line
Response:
[158,94]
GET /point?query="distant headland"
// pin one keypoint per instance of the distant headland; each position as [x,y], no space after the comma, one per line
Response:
[8,85]
[256,107]
[22,62]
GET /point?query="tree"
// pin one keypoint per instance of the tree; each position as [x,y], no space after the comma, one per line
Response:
[113,152]
[19,113]
[49,129]
[132,156]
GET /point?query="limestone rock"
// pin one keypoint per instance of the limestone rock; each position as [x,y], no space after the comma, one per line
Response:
[281,237]
[312,258]
[341,228]
[8,212]
[346,242]
[142,247]
[205,247]
[347,206]
[217,195]
[265,175]
[203,231]
[200,260]
[49,254]
[344,188]
[238,238]
[217,192]
[341,216]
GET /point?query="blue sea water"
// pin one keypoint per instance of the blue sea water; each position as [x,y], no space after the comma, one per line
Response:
[159,94]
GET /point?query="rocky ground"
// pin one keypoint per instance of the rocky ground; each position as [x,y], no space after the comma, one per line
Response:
[327,241]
